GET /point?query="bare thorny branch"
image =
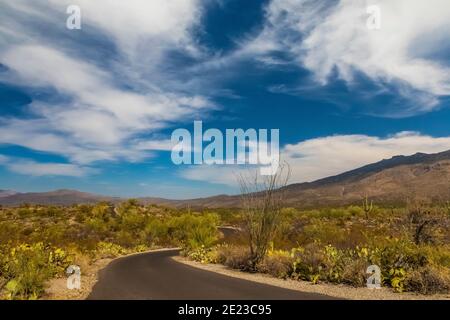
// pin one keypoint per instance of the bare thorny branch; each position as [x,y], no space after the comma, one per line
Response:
[262,201]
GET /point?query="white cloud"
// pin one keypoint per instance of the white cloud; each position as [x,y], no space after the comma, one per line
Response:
[217,174]
[102,113]
[38,135]
[48,169]
[331,39]
[343,40]
[37,169]
[156,145]
[133,22]
[104,106]
[3,159]
[322,157]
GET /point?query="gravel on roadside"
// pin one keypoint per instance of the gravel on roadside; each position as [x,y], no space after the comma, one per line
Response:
[338,291]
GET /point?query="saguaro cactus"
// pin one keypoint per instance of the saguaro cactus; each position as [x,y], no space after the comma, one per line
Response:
[367,207]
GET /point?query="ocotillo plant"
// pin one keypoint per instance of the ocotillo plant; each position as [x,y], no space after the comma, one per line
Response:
[367,207]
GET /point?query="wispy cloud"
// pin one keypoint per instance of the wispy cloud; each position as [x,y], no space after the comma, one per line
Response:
[37,169]
[103,104]
[331,39]
[112,85]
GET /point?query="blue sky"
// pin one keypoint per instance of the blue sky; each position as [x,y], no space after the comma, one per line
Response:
[93,109]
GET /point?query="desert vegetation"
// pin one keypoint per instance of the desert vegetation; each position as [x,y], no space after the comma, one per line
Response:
[336,245]
[38,243]
[411,245]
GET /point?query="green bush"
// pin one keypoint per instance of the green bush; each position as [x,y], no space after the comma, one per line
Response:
[109,250]
[28,267]
[155,230]
[203,255]
[195,231]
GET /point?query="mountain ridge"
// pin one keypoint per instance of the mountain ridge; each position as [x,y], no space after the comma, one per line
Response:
[389,181]
[7,193]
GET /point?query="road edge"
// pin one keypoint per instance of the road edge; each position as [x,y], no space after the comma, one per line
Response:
[337,291]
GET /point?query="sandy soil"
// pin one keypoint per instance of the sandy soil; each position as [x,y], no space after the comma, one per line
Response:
[57,288]
[339,291]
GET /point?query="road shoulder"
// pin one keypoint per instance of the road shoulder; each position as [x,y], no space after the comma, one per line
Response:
[337,291]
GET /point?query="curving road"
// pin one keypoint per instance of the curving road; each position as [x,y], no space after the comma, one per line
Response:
[155,275]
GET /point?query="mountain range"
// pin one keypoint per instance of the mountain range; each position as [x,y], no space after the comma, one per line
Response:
[389,182]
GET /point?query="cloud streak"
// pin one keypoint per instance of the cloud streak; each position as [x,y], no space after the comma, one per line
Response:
[99,109]
[331,39]
[36,169]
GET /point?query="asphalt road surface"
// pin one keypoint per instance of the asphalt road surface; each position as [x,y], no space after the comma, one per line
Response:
[155,275]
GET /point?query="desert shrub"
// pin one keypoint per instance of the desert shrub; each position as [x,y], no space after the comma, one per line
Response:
[402,261]
[317,263]
[28,267]
[405,266]
[331,213]
[427,225]
[97,225]
[229,217]
[438,255]
[126,239]
[354,272]
[194,231]
[155,230]
[130,204]
[54,234]
[109,250]
[133,220]
[101,210]
[112,250]
[51,212]
[355,211]
[236,257]
[396,259]
[203,255]
[428,280]
[324,232]
[8,231]
[277,263]
[357,235]
[24,212]
[308,263]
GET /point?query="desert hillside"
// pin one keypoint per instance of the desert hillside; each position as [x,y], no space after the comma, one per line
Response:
[390,182]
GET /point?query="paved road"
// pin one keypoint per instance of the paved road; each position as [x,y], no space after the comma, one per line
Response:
[156,276]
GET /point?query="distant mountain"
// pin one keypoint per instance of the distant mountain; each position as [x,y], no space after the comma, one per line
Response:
[58,197]
[391,181]
[220,201]
[6,193]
